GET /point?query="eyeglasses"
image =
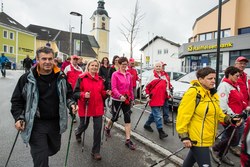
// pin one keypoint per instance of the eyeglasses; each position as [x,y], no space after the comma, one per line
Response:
[124,64]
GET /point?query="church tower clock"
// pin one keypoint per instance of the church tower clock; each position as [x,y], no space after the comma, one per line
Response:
[100,29]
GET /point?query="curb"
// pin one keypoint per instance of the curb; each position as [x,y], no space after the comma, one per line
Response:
[150,144]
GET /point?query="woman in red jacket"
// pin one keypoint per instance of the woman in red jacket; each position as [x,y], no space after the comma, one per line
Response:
[156,93]
[90,92]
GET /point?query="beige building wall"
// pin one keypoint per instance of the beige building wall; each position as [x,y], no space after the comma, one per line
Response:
[235,15]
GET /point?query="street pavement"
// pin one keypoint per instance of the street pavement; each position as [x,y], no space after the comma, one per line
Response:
[114,152]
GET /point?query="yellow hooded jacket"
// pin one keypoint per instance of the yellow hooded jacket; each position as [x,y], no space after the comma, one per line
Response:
[199,123]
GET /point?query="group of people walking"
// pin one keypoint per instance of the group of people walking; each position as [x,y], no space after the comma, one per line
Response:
[43,94]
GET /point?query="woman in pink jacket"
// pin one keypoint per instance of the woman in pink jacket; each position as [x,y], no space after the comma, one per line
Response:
[122,94]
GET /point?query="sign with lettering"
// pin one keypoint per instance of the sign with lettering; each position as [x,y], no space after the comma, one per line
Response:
[192,48]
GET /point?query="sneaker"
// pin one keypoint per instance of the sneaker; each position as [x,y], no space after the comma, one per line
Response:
[168,121]
[107,132]
[148,128]
[227,161]
[79,138]
[235,150]
[96,156]
[215,155]
[130,144]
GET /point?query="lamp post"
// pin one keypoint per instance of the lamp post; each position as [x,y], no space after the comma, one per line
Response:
[218,43]
[78,14]
[70,40]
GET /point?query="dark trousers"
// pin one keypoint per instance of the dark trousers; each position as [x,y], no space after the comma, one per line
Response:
[199,155]
[221,146]
[117,106]
[45,141]
[97,125]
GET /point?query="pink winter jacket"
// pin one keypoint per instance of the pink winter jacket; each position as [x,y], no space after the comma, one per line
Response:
[122,84]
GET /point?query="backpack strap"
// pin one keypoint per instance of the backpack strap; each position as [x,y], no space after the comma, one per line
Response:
[198,97]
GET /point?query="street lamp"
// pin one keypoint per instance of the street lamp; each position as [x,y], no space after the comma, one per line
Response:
[45,30]
[78,14]
[70,40]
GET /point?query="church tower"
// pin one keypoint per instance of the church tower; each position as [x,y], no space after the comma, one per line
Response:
[100,29]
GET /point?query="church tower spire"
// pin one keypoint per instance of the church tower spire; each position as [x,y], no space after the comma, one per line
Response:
[100,29]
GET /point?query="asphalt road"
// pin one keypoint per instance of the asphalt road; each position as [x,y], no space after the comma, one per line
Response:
[113,151]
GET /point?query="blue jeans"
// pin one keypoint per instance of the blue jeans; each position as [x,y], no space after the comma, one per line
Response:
[155,116]
[165,110]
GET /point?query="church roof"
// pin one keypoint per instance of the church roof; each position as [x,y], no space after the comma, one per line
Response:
[101,9]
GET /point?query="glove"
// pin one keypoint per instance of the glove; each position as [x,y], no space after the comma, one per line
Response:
[234,120]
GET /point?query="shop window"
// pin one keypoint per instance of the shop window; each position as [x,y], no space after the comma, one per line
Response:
[12,35]
[5,34]
[11,49]
[235,54]
[244,31]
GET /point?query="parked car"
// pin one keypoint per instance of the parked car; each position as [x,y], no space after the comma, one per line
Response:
[182,84]
[172,74]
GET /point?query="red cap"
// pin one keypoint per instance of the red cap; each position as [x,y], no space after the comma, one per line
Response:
[163,64]
[241,58]
[74,57]
[131,60]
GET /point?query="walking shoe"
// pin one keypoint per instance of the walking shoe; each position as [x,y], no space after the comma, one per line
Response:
[148,128]
[227,161]
[96,156]
[162,134]
[107,132]
[235,150]
[130,144]
[167,121]
[79,138]
[215,155]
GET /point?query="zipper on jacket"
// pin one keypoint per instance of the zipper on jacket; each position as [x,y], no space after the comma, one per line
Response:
[203,122]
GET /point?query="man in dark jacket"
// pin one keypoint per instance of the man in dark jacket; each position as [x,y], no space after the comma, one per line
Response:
[39,107]
[27,63]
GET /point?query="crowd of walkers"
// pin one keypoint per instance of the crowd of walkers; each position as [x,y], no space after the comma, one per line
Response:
[51,89]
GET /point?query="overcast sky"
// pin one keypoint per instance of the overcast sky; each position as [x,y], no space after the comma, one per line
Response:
[172,19]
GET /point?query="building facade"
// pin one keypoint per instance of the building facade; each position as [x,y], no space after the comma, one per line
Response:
[235,37]
[15,40]
[100,29]
[161,49]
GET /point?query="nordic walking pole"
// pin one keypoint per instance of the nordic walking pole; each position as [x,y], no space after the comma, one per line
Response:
[141,115]
[67,154]
[172,108]
[177,151]
[13,147]
[104,121]
[228,144]
[85,122]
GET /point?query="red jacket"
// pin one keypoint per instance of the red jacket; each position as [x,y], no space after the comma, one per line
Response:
[72,75]
[156,89]
[86,83]
[134,74]
[245,157]
[243,83]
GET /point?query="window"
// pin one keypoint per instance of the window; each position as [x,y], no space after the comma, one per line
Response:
[165,51]
[202,37]
[5,34]
[208,36]
[233,55]
[226,33]
[5,48]
[223,33]
[159,52]
[12,35]
[103,26]
[244,31]
[11,49]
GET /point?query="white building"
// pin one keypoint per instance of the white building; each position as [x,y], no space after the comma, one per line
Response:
[161,49]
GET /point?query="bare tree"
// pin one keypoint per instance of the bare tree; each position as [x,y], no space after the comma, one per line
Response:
[132,28]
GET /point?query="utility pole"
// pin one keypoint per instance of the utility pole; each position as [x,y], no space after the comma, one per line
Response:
[218,43]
